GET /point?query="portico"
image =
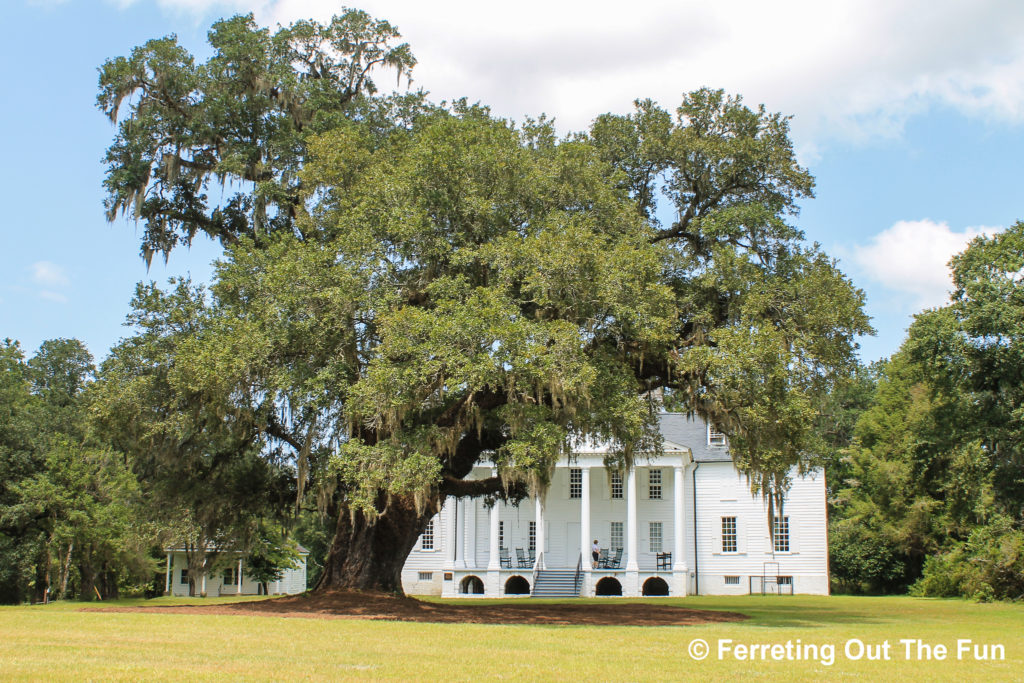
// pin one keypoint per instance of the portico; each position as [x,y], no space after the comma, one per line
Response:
[642,513]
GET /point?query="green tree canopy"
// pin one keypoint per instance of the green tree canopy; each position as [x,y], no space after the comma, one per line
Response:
[453,288]
[240,120]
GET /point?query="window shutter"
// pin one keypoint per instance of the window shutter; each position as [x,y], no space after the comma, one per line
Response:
[741,534]
[643,484]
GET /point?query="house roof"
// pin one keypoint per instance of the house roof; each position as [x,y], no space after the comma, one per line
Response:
[681,428]
[682,433]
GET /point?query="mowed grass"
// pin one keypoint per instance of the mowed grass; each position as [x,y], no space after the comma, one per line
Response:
[58,641]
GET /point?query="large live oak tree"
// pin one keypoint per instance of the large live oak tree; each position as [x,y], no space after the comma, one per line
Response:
[439,287]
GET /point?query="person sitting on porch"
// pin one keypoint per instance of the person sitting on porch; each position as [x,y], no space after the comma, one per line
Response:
[595,552]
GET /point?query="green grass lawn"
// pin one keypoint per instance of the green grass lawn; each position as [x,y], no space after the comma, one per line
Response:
[58,642]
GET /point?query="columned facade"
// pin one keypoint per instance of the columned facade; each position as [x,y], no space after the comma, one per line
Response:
[581,505]
[681,521]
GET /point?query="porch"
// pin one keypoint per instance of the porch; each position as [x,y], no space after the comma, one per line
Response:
[486,547]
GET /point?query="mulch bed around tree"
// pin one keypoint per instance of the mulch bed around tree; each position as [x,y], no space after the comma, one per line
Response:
[356,605]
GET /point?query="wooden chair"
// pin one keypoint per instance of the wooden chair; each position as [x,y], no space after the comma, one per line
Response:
[521,559]
[615,560]
[602,558]
[505,557]
[664,560]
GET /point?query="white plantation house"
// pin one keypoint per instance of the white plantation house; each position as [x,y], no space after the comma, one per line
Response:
[681,524]
[232,579]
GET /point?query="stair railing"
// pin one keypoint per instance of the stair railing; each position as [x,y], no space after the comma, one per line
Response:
[537,567]
[579,574]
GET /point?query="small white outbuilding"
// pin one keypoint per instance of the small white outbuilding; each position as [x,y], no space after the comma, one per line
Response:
[231,579]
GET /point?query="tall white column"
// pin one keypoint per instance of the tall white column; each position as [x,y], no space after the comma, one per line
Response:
[678,522]
[239,577]
[460,534]
[539,517]
[470,532]
[493,560]
[585,538]
[451,530]
[202,586]
[631,544]
[167,580]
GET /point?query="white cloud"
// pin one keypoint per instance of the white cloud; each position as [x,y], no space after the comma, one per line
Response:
[48,274]
[911,259]
[847,69]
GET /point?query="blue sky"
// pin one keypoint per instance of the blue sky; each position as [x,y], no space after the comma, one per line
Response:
[909,114]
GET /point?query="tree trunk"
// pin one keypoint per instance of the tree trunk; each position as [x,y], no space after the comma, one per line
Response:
[86,591]
[369,554]
[108,583]
[42,583]
[65,571]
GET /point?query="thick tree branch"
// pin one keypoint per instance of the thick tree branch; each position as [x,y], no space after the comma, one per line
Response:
[475,488]
[277,430]
[469,450]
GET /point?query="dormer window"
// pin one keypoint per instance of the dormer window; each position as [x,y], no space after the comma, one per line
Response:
[717,438]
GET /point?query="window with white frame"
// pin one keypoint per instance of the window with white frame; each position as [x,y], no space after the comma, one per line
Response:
[617,485]
[229,576]
[654,484]
[729,544]
[655,536]
[575,482]
[533,536]
[716,438]
[780,534]
[732,581]
[616,535]
[184,576]
[501,533]
[426,576]
[427,539]
[785,580]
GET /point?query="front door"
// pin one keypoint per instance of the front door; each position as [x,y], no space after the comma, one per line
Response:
[572,544]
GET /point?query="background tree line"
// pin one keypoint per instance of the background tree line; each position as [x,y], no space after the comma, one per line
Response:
[80,517]
[927,491]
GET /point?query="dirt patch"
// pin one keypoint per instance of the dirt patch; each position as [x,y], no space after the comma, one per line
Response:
[354,605]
